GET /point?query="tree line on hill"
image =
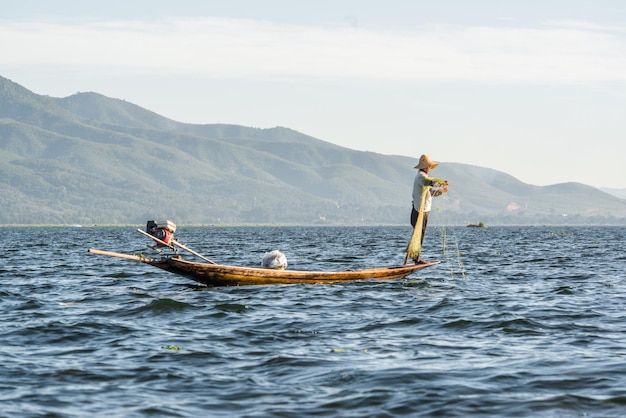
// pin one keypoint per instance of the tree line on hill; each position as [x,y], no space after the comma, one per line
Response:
[90,159]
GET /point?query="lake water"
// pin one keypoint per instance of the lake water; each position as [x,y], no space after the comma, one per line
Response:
[515,321]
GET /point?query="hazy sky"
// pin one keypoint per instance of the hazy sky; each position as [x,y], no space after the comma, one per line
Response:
[534,88]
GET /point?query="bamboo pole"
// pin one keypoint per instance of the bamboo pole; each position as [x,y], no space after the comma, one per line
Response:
[118,255]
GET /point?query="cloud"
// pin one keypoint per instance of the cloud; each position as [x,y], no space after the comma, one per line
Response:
[559,52]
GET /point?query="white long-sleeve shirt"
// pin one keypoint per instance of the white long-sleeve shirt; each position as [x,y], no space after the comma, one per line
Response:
[421,179]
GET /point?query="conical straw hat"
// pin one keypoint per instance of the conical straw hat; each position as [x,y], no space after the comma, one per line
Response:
[426,162]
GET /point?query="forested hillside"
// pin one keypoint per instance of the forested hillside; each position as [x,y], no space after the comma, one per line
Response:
[90,159]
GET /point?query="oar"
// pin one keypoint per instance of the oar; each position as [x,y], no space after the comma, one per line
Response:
[177,244]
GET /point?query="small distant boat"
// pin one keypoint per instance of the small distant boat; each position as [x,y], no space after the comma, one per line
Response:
[213,274]
[478,225]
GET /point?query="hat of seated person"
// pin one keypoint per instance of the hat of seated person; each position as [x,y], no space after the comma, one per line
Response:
[426,162]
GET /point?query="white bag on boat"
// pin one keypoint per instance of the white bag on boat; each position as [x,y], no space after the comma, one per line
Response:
[274,260]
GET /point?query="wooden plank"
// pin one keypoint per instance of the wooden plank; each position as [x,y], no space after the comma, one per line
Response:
[119,255]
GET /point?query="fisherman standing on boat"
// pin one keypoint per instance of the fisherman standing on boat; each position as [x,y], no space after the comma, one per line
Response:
[422,181]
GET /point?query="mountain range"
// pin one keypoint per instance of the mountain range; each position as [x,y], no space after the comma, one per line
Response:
[91,159]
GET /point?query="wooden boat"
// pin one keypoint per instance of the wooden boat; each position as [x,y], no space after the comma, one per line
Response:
[213,274]
[224,275]
[478,225]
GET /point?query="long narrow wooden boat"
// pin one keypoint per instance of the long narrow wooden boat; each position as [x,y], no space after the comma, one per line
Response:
[223,275]
[214,274]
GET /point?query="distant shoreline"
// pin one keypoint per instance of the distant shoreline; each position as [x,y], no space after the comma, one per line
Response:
[305,225]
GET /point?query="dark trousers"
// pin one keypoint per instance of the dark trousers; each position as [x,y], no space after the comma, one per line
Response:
[414,216]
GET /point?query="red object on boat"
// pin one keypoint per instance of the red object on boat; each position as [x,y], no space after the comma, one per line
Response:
[163,231]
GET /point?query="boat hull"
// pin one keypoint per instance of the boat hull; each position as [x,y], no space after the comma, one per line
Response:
[221,275]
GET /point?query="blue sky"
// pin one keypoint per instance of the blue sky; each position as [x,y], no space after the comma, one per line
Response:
[536,89]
